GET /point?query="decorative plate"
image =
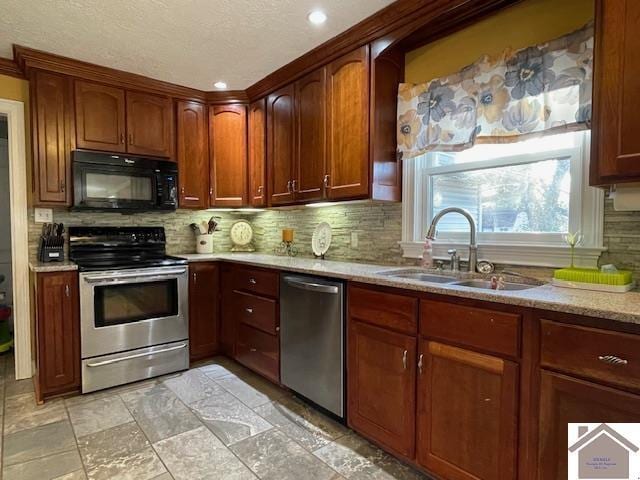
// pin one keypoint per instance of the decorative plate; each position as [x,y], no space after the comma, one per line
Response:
[321,240]
[241,235]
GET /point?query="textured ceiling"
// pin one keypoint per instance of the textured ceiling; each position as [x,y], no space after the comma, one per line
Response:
[188,42]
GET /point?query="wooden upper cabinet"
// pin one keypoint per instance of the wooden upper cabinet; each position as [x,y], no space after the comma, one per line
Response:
[280,145]
[257,154]
[57,333]
[467,414]
[203,310]
[228,149]
[100,117]
[566,400]
[382,386]
[348,125]
[149,125]
[616,106]
[310,169]
[193,155]
[52,138]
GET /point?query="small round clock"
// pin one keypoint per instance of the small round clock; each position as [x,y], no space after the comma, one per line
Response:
[241,236]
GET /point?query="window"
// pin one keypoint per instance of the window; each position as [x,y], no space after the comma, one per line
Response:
[523,196]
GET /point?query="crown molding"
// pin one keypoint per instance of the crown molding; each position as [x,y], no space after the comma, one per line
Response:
[10,67]
[28,58]
[402,19]
[224,97]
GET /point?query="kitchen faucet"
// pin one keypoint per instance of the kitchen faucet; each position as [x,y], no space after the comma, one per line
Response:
[473,248]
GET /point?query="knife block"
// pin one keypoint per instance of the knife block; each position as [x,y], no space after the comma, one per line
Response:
[48,251]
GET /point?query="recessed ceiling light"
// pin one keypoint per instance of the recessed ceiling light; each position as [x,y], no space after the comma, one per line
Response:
[317,17]
[220,85]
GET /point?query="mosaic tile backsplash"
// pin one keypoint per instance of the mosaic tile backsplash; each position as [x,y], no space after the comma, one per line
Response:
[377,225]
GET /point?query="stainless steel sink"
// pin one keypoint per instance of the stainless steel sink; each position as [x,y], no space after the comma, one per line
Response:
[486,285]
[420,276]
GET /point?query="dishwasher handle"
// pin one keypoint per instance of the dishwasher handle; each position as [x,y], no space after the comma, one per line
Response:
[313,287]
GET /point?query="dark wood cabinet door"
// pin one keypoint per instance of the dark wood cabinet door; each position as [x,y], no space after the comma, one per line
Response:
[382,386]
[100,117]
[280,145]
[193,155]
[203,310]
[467,413]
[52,109]
[149,125]
[616,106]
[310,169]
[348,125]
[228,148]
[258,154]
[58,333]
[566,400]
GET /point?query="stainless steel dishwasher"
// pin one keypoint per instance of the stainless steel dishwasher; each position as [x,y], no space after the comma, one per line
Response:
[312,339]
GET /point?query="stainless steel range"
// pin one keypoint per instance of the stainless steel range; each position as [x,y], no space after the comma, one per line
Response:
[134,320]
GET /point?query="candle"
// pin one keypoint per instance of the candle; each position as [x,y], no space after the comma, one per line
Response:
[287,235]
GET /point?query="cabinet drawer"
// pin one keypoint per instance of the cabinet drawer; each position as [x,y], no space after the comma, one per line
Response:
[258,312]
[611,357]
[479,328]
[258,351]
[262,282]
[388,310]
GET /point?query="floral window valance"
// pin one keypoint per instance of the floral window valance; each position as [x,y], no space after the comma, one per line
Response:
[538,90]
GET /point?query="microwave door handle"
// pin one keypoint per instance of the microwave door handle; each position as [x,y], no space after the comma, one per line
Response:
[119,276]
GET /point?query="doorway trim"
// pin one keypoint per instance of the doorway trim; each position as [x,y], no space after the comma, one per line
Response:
[14,112]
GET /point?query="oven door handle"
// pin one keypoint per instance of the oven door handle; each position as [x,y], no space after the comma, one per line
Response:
[123,276]
[137,355]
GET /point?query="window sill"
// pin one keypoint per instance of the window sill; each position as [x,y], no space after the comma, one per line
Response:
[512,254]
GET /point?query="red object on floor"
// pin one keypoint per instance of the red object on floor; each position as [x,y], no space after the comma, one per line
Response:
[5,313]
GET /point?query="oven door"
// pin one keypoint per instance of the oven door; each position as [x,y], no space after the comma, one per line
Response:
[127,309]
[107,187]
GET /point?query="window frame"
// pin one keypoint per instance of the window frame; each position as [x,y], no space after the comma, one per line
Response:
[586,214]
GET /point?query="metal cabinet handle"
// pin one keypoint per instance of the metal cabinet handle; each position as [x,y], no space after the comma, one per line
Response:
[260,190]
[62,186]
[131,139]
[289,186]
[404,359]
[195,277]
[325,181]
[253,350]
[122,138]
[612,360]
[67,291]
[420,362]
[193,199]
[252,281]
[249,310]
[211,192]
[294,185]
[182,190]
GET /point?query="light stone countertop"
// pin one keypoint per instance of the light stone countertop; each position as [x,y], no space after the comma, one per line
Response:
[613,306]
[42,267]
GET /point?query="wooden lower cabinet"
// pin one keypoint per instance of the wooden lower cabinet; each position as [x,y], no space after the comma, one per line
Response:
[203,310]
[57,334]
[566,400]
[381,376]
[467,413]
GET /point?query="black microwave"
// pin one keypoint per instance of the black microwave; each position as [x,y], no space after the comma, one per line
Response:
[103,181]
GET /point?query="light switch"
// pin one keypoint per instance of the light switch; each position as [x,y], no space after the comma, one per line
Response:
[354,239]
[44,215]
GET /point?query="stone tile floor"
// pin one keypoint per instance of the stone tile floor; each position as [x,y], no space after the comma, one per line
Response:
[215,421]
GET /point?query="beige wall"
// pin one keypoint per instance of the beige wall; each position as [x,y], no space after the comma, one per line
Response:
[522,25]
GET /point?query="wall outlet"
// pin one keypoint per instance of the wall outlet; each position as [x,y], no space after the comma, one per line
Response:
[44,215]
[354,239]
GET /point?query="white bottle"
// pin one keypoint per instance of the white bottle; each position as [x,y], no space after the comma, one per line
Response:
[427,254]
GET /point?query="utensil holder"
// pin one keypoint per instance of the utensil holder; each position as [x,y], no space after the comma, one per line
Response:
[204,243]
